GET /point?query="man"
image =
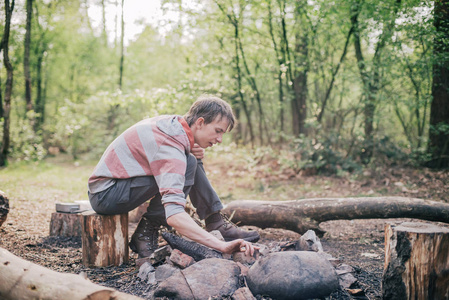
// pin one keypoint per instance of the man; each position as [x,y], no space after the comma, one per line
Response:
[160,159]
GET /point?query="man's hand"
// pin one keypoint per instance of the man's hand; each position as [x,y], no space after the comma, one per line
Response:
[240,246]
[197,151]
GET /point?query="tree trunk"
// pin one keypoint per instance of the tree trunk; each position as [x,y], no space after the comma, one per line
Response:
[65,224]
[439,110]
[21,279]
[416,262]
[371,80]
[122,48]
[9,7]
[302,215]
[26,56]
[300,89]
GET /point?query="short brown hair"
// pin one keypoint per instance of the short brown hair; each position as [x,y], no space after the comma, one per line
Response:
[209,108]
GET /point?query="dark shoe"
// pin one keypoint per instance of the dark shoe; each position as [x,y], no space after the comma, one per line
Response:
[228,230]
[145,239]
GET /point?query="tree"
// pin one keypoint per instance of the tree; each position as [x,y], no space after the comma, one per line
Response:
[371,78]
[26,56]
[9,7]
[439,110]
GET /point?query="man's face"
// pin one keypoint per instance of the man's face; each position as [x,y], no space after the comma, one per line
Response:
[207,135]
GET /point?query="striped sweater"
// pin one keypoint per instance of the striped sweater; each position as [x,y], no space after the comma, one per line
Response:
[153,147]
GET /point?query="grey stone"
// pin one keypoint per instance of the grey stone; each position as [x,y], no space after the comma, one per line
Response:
[293,275]
[211,277]
[165,271]
[144,270]
[243,293]
[309,242]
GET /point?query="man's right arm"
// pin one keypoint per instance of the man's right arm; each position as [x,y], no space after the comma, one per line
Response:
[186,226]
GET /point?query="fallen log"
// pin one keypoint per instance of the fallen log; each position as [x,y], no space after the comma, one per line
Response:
[302,215]
[416,262]
[21,279]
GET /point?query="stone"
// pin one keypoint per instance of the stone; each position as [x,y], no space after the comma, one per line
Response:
[210,277]
[144,270]
[309,242]
[293,275]
[241,257]
[180,259]
[243,269]
[160,254]
[152,278]
[165,271]
[243,293]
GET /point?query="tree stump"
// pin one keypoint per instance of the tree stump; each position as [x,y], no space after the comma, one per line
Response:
[416,262]
[104,239]
[4,207]
[65,224]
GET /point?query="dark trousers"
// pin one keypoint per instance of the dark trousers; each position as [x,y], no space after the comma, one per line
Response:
[127,194]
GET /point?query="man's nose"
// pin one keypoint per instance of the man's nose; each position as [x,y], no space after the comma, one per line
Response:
[219,139]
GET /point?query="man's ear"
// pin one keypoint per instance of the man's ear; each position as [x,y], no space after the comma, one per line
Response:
[199,121]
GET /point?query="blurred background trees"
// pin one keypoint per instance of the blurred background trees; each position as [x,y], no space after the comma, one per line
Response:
[338,84]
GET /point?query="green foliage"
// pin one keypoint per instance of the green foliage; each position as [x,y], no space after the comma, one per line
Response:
[321,154]
[199,52]
[90,127]
[25,144]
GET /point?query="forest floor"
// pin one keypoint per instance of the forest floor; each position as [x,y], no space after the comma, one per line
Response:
[33,190]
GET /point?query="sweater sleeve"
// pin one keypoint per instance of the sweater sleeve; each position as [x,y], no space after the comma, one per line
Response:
[169,168]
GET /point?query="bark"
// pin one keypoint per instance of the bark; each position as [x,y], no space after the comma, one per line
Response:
[65,224]
[39,52]
[9,7]
[26,57]
[302,215]
[279,56]
[122,48]
[4,207]
[21,279]
[104,239]
[439,110]
[416,262]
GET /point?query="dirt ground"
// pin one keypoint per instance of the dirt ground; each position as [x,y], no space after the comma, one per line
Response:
[358,243]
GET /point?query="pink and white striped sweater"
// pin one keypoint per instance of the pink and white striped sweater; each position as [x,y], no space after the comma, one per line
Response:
[153,147]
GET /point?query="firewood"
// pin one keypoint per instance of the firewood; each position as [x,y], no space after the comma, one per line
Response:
[4,207]
[104,239]
[302,215]
[21,279]
[65,224]
[416,262]
[191,248]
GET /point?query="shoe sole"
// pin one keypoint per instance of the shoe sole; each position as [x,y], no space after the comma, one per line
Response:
[250,239]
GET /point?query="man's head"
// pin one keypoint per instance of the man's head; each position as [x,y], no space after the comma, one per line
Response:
[209,108]
[209,118]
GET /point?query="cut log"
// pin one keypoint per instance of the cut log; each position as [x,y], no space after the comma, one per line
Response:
[21,279]
[4,207]
[416,262]
[104,239]
[302,215]
[65,224]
